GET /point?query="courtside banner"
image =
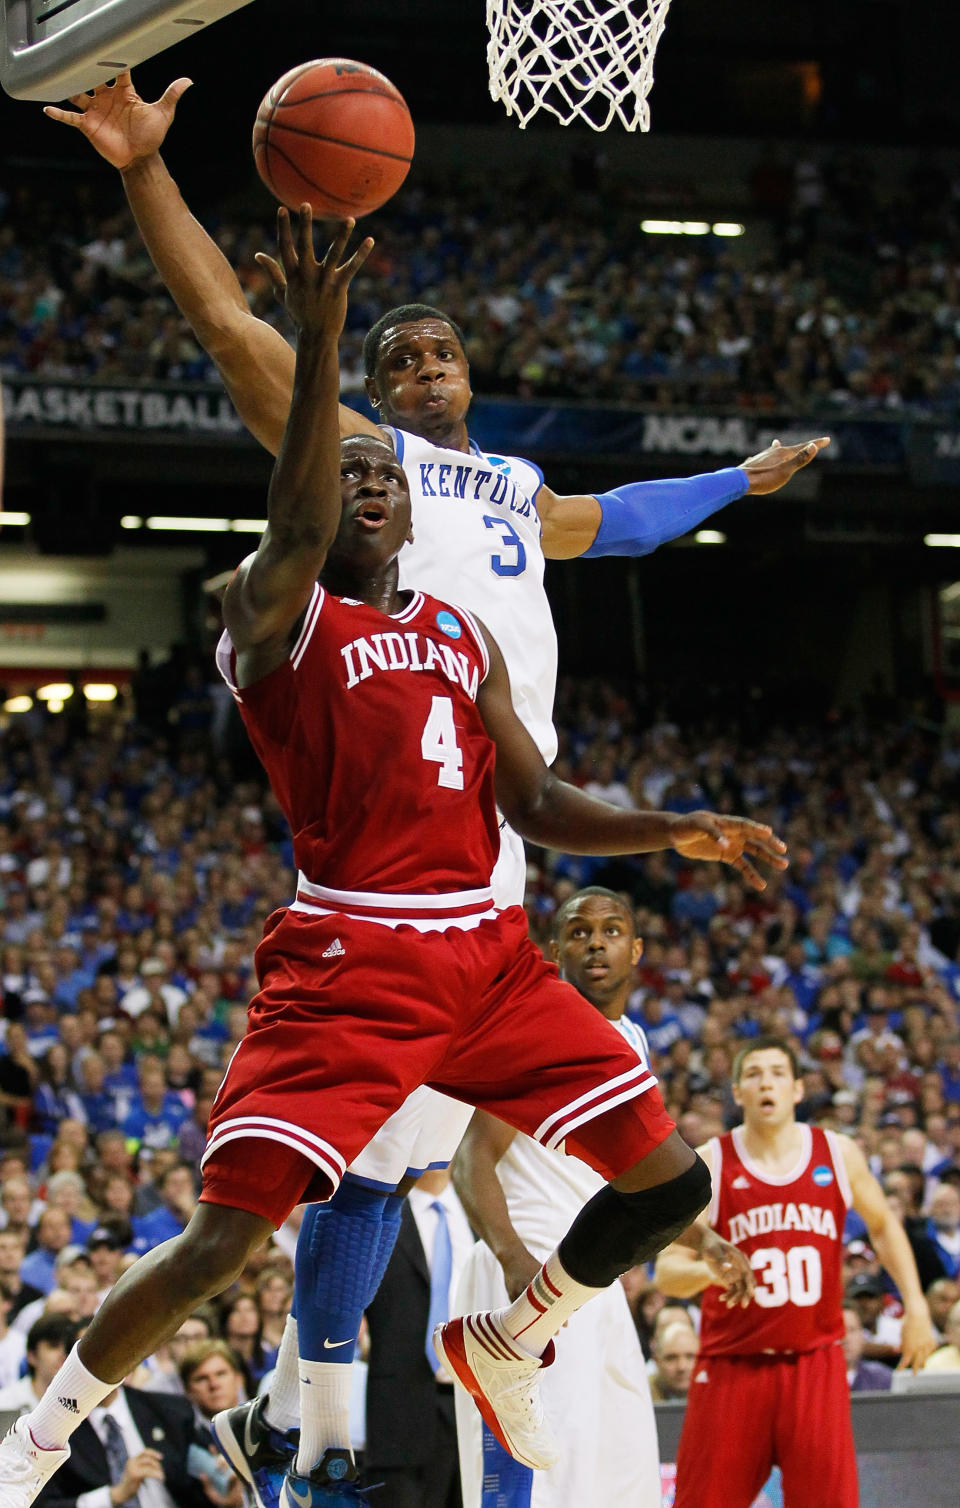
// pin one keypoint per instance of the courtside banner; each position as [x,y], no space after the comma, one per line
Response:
[927,449]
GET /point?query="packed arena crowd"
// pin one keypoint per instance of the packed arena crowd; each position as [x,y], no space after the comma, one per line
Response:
[137,866]
[843,295]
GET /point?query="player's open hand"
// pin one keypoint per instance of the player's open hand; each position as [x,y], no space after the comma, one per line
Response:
[917,1340]
[773,468]
[730,1268]
[729,840]
[123,127]
[315,293]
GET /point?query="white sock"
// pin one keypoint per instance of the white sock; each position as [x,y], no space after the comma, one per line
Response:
[68,1400]
[282,1410]
[544,1307]
[324,1410]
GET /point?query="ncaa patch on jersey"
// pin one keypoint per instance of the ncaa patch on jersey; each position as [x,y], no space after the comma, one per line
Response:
[500,464]
[822,1176]
[449,625]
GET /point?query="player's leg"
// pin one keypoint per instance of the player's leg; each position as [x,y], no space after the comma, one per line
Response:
[727,1445]
[567,1077]
[814,1404]
[143,1310]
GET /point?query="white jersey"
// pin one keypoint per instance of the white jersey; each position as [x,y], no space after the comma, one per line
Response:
[477,541]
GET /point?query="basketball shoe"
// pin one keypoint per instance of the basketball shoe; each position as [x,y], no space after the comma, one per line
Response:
[331,1484]
[24,1467]
[504,1382]
[258,1453]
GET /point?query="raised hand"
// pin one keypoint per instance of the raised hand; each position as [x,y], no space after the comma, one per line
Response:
[123,127]
[315,293]
[773,468]
[729,840]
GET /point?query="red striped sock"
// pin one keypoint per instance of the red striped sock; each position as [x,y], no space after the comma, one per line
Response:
[544,1307]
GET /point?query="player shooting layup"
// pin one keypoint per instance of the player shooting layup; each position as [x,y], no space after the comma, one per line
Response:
[483,526]
[378,713]
[770,1385]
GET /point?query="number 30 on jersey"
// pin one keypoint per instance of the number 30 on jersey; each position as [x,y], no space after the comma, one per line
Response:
[438,743]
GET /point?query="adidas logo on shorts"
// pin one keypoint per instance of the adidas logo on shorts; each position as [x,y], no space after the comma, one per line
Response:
[702,1375]
[335,950]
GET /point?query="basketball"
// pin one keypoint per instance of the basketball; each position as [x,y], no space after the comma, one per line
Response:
[334,134]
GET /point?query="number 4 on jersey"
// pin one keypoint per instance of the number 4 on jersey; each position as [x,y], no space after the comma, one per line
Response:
[438,742]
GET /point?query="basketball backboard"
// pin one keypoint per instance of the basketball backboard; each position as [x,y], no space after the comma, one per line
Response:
[50,49]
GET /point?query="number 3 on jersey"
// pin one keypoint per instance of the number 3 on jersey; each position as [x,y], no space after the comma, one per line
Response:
[511,539]
[438,742]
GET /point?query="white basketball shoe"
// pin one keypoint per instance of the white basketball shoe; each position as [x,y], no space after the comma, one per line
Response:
[24,1466]
[504,1381]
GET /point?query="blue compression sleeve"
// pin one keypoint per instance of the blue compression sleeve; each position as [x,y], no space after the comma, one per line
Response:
[639,516]
[338,1267]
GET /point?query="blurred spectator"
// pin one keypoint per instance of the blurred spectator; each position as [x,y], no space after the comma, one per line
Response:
[947,1358]
[18,1294]
[178,1196]
[48,1340]
[674,1352]
[941,1297]
[212,1378]
[881,1329]
[863,1376]
[944,1211]
[106,1245]
[53,1234]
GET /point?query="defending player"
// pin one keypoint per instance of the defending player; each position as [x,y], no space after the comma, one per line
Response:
[770,1383]
[520,1197]
[377,713]
[483,527]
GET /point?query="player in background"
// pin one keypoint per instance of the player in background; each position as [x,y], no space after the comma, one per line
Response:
[379,715]
[770,1384]
[483,526]
[520,1198]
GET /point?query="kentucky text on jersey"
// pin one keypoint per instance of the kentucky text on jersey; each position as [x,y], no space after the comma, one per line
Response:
[411,651]
[443,480]
[764,1218]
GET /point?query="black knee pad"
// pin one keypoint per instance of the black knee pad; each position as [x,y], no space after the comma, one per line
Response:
[615,1231]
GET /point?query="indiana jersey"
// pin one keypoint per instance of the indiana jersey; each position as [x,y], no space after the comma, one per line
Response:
[476,535]
[544,1188]
[371,737]
[791,1228]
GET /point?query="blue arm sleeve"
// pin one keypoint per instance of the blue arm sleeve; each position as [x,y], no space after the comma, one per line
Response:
[639,516]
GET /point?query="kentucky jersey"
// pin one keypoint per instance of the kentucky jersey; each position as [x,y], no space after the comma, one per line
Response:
[791,1228]
[374,747]
[476,536]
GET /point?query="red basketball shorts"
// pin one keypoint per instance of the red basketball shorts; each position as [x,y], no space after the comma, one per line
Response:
[352,1016]
[747,1414]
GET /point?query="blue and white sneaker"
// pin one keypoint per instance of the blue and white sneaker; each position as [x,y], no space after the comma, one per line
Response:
[331,1484]
[258,1453]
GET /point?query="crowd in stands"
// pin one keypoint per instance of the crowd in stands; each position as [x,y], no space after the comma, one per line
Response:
[137,867]
[843,295]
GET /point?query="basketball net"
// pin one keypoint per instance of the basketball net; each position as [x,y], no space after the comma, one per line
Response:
[583,60]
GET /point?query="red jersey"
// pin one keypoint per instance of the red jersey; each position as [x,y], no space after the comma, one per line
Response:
[791,1228]
[371,738]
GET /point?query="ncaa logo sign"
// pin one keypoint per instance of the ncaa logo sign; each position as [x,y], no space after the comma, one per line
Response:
[822,1176]
[448,623]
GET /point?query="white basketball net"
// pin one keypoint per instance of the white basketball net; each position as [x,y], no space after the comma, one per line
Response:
[583,60]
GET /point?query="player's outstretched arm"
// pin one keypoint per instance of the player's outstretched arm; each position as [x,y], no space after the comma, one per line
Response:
[553,814]
[474,1173]
[640,516]
[254,360]
[271,590]
[889,1240]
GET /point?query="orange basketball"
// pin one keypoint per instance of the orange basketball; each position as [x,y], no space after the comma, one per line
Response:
[334,134]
